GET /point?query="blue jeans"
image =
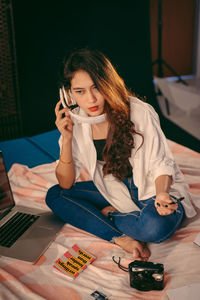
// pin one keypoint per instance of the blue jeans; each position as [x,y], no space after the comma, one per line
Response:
[81,207]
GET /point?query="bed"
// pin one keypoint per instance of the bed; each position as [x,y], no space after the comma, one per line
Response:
[30,163]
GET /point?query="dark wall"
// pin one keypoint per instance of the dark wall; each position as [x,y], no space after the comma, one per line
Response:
[45,30]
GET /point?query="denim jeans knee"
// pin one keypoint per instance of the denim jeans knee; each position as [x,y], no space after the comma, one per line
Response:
[160,228]
[52,195]
[147,225]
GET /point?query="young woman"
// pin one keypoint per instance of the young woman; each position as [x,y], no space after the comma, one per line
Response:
[134,180]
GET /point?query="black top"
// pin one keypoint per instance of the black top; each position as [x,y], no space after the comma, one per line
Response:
[99,145]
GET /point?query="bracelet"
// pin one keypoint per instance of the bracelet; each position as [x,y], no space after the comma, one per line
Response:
[65,162]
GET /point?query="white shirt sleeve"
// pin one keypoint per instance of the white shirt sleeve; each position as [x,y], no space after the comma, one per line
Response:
[157,154]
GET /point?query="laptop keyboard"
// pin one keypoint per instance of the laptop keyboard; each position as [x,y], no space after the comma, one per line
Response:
[15,227]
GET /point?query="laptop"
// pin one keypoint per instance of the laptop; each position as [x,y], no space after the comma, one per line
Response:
[25,233]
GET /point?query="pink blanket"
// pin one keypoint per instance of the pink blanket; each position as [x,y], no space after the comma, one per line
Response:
[180,256]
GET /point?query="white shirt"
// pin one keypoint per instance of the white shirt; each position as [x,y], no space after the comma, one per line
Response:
[152,159]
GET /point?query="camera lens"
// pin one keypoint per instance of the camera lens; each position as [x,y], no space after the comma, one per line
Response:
[157,277]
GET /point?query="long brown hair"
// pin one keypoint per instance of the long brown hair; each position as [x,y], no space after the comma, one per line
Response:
[120,140]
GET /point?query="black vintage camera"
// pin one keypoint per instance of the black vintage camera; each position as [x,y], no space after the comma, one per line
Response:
[146,276]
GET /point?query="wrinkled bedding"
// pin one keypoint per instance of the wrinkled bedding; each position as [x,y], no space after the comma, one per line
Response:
[180,256]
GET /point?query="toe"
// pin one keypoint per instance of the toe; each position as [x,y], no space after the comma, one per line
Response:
[136,254]
[146,253]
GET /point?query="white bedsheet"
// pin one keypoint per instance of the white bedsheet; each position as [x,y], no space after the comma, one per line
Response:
[180,256]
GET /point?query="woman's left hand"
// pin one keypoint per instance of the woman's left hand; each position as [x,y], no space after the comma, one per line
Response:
[163,204]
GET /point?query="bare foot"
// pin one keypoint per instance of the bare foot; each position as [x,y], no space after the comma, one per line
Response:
[106,209]
[138,249]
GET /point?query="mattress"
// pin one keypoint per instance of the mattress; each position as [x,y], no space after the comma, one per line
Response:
[31,174]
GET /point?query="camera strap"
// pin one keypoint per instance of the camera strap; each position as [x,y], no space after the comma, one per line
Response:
[119,265]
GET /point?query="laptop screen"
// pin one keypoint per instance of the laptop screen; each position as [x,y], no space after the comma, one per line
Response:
[6,198]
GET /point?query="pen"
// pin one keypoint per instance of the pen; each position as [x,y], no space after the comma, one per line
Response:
[173,202]
[176,201]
